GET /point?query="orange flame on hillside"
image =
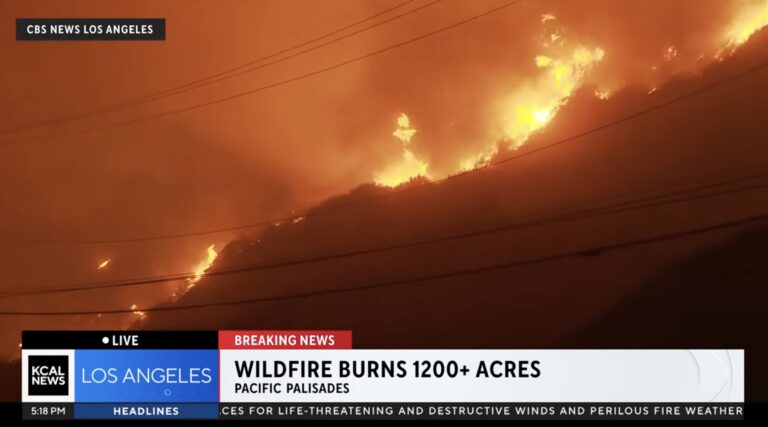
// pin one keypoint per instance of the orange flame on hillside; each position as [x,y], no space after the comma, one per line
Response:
[535,102]
[747,22]
[409,166]
[137,312]
[197,273]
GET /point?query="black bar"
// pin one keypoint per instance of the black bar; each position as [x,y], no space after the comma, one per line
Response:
[55,340]
[69,29]
[12,411]
[487,411]
[47,411]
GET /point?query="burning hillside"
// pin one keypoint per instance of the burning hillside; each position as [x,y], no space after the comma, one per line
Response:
[524,114]
[657,152]
[536,136]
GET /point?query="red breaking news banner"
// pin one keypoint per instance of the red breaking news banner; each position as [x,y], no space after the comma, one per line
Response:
[284,340]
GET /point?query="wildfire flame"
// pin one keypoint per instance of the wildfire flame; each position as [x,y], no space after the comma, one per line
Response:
[479,159]
[747,22]
[603,93]
[534,103]
[533,106]
[186,285]
[409,166]
[670,53]
[197,273]
[137,312]
[211,255]
[547,17]
[563,66]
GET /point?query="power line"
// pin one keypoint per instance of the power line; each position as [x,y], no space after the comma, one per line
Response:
[626,206]
[227,74]
[275,84]
[413,186]
[417,279]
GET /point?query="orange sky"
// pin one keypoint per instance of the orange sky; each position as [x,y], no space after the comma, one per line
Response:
[279,150]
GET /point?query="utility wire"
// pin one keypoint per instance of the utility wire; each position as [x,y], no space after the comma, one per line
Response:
[674,197]
[416,279]
[275,84]
[226,74]
[413,186]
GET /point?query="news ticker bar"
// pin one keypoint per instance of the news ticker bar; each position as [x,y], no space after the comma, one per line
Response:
[388,411]
[311,374]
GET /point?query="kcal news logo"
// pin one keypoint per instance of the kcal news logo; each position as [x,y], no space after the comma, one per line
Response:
[48,375]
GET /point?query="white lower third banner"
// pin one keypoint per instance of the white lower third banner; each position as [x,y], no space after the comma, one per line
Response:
[319,375]
[296,376]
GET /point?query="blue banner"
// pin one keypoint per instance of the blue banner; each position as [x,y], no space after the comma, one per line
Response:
[146,376]
[146,410]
